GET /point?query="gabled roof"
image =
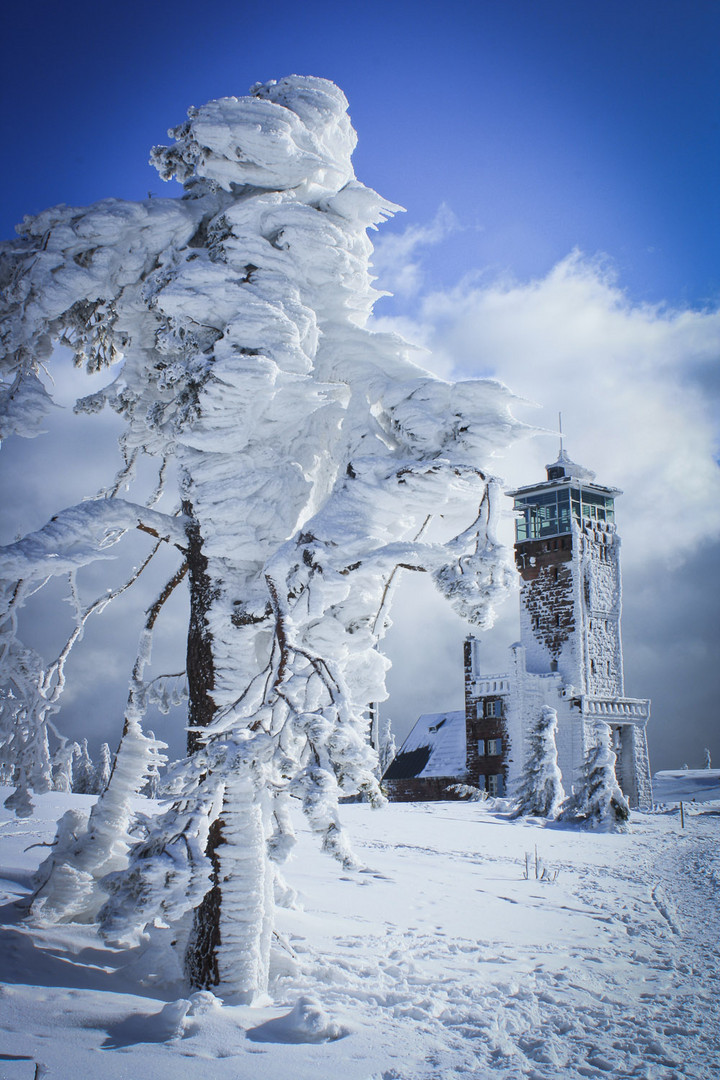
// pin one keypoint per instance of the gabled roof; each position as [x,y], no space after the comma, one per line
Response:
[434,747]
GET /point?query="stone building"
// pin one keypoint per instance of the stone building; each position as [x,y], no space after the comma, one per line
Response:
[569,657]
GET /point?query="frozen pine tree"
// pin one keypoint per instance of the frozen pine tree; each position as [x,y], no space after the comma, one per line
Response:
[387,748]
[84,772]
[541,791]
[311,457]
[102,770]
[708,758]
[598,800]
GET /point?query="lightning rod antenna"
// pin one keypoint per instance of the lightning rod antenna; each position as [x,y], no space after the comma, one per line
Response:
[561,432]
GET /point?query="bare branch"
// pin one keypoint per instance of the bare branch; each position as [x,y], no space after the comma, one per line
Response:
[153,611]
[99,604]
[401,566]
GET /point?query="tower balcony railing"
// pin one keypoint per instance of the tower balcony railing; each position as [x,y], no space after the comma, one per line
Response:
[496,684]
[618,710]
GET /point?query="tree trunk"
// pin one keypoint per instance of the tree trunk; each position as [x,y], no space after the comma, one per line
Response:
[201,954]
[232,928]
[201,963]
[200,662]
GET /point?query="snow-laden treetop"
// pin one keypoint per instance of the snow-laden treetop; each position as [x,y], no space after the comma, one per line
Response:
[294,133]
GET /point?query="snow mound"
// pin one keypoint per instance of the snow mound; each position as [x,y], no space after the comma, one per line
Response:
[176,1020]
[307,1022]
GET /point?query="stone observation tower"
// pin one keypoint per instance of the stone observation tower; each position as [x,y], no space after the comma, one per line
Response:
[569,657]
[567,552]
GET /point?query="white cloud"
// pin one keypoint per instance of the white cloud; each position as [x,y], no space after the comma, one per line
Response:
[397,259]
[636,385]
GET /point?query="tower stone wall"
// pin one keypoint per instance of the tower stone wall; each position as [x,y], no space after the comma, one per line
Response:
[601,609]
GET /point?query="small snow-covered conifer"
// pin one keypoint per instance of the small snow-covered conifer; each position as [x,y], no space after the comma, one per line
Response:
[541,791]
[387,748]
[84,772]
[598,800]
[103,769]
[64,766]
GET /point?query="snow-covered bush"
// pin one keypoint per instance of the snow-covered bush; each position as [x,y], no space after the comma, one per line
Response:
[311,455]
[541,792]
[468,792]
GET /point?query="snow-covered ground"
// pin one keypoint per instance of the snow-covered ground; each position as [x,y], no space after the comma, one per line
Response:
[439,960]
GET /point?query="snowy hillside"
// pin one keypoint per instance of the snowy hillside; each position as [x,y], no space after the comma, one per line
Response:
[689,785]
[438,960]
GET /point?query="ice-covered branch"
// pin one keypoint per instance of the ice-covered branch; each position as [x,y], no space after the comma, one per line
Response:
[82,534]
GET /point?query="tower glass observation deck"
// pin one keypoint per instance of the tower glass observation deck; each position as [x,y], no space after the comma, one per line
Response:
[569,494]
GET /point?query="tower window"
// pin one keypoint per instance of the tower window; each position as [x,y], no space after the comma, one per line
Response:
[494,746]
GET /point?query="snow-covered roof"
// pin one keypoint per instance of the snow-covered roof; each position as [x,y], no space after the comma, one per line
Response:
[566,471]
[565,466]
[434,747]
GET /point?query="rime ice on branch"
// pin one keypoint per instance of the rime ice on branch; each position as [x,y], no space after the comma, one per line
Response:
[312,455]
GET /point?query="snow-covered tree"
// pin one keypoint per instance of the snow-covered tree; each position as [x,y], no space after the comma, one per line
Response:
[63,766]
[598,800]
[387,748]
[102,772]
[541,792]
[311,456]
[708,758]
[84,772]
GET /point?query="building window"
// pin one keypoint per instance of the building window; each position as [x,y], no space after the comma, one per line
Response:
[493,708]
[481,747]
[494,746]
[496,784]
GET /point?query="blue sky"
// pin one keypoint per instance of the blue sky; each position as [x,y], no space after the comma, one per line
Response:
[558,160]
[545,125]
